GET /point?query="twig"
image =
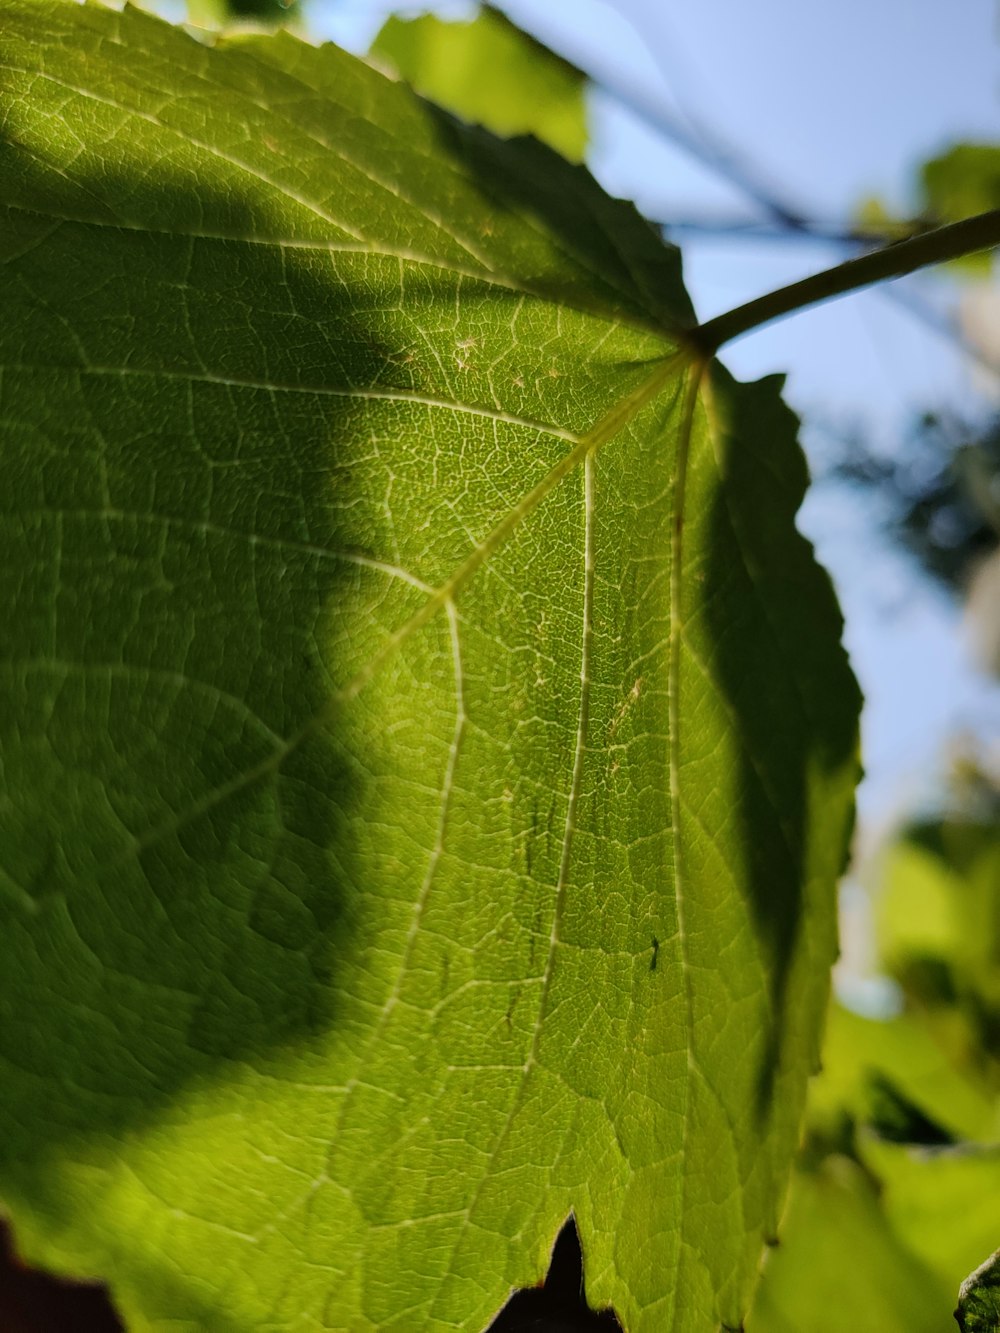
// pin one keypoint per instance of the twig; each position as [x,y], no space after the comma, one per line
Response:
[750,229]
[894,261]
[786,220]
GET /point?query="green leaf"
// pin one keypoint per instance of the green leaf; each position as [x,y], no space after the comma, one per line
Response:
[427,750]
[840,1264]
[957,184]
[877,1234]
[979,1299]
[491,72]
[940,1203]
[859,1051]
[963,181]
[939,926]
[960,183]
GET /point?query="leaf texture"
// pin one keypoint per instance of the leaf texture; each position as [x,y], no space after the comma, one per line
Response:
[428,752]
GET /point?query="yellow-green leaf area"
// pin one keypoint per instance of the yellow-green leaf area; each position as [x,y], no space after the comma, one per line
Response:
[427,752]
[960,182]
[840,1263]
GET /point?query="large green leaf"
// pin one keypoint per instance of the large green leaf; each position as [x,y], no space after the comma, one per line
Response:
[427,751]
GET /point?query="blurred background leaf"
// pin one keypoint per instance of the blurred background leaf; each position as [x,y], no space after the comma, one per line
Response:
[938,923]
[960,182]
[939,494]
[840,1264]
[490,72]
[899,1174]
[219,13]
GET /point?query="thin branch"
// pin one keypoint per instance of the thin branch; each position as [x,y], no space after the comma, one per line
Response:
[697,143]
[911,302]
[785,220]
[894,261]
[703,144]
[823,233]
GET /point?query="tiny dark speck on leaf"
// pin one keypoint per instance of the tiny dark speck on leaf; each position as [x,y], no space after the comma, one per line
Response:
[656,950]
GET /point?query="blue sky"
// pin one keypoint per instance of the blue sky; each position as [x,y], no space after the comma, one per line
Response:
[826,104]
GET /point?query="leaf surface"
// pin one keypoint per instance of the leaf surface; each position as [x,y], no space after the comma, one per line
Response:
[428,752]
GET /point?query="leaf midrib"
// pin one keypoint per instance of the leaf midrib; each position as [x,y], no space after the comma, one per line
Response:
[673,749]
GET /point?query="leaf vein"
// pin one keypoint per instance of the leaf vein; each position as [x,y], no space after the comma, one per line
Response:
[367,394]
[674,756]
